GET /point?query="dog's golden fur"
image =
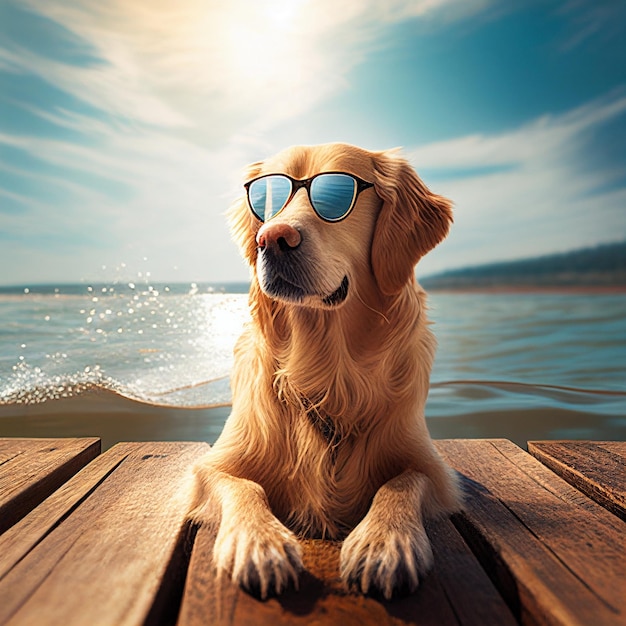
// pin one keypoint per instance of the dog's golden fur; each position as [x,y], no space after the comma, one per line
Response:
[327,436]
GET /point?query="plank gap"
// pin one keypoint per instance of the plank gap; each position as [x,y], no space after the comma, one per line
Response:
[165,609]
[486,554]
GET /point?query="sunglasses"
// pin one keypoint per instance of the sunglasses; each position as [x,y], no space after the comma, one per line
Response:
[331,194]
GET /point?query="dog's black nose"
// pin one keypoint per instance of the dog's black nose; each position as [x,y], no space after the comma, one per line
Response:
[278,237]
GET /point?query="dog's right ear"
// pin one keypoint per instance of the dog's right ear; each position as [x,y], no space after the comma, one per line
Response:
[243,224]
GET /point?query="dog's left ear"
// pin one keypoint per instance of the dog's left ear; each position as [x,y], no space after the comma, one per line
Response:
[412,221]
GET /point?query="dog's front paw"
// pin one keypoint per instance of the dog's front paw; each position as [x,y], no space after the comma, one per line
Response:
[263,557]
[381,559]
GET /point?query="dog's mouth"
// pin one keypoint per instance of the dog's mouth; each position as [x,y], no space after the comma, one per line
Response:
[283,289]
[339,295]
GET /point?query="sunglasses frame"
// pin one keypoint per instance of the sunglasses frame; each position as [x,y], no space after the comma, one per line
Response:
[296,185]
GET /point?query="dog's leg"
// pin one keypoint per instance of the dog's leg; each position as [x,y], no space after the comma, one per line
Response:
[252,546]
[389,551]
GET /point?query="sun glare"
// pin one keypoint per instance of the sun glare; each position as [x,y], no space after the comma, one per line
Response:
[284,12]
[261,48]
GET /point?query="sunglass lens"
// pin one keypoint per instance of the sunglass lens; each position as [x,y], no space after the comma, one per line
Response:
[332,195]
[268,195]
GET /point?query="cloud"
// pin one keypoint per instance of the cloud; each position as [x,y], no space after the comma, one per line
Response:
[529,191]
[188,64]
[138,194]
[547,137]
[590,20]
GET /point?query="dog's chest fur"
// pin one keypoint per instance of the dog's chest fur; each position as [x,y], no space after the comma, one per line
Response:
[329,478]
[324,499]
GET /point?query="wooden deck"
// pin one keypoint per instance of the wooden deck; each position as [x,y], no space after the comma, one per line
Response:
[89,538]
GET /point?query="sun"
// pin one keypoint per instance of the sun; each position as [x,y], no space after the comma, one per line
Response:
[264,48]
[256,50]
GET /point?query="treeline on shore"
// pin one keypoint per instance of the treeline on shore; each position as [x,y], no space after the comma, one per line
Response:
[601,266]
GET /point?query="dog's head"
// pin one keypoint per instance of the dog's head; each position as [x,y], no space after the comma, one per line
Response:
[301,258]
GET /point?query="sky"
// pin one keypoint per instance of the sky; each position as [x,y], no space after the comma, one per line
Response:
[125,125]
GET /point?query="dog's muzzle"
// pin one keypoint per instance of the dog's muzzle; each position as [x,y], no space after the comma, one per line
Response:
[285,271]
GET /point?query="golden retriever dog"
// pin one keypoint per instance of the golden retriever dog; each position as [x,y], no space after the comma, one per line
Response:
[327,436]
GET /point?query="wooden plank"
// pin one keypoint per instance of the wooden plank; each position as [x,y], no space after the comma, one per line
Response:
[556,562]
[472,595]
[31,469]
[597,468]
[457,592]
[21,538]
[118,558]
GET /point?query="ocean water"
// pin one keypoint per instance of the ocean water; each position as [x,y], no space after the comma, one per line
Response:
[134,361]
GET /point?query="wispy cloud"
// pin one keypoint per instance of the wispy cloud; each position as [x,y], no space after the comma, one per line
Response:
[548,137]
[191,63]
[588,20]
[528,191]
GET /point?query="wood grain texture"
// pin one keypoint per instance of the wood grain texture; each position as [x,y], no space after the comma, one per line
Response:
[112,545]
[555,561]
[31,469]
[471,593]
[457,592]
[597,468]
[22,537]
[118,557]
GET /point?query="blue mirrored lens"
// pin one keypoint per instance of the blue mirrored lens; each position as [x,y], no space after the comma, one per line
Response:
[332,195]
[268,195]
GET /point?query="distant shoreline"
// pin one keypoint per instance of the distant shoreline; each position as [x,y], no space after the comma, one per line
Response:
[591,270]
[531,289]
